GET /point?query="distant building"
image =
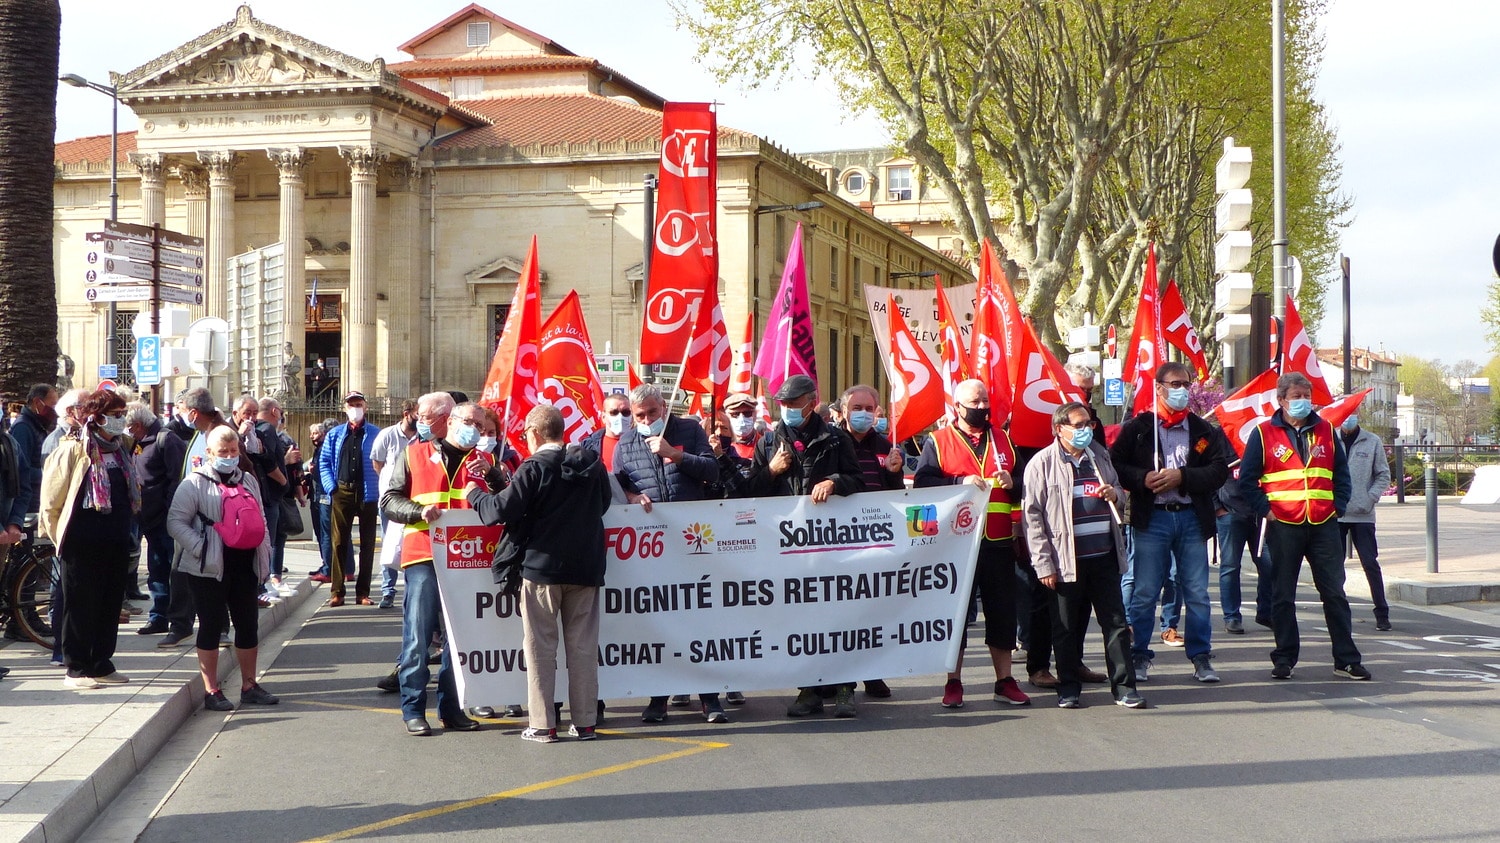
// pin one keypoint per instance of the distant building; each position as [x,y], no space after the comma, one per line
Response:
[1375,370]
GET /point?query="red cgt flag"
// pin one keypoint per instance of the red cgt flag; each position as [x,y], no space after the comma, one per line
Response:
[684,251]
[709,355]
[955,362]
[1042,387]
[1177,328]
[570,380]
[916,387]
[997,333]
[1242,412]
[1148,348]
[510,388]
[1298,355]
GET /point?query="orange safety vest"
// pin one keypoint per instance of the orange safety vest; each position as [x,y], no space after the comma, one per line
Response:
[956,458]
[429,483]
[1299,493]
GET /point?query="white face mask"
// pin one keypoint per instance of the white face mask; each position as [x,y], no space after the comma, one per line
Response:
[488,443]
[355,414]
[742,425]
[614,425]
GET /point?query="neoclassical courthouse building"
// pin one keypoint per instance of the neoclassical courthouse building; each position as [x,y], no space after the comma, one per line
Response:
[375,216]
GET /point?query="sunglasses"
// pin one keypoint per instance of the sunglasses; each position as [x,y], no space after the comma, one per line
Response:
[1176,384]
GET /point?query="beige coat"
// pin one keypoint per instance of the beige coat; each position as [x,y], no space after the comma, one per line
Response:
[63,476]
[1048,510]
[200,551]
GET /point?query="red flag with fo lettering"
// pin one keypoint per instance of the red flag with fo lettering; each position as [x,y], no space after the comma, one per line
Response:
[955,361]
[684,250]
[570,380]
[1298,355]
[1242,412]
[740,377]
[916,387]
[1148,349]
[708,355]
[1177,328]
[510,388]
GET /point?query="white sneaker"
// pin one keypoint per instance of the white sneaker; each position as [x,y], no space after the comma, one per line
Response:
[81,683]
[286,590]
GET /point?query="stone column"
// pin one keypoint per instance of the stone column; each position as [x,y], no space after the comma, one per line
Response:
[195,196]
[359,312]
[292,164]
[151,166]
[219,242]
[403,282]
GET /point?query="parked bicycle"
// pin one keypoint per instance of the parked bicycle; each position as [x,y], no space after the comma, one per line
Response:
[27,583]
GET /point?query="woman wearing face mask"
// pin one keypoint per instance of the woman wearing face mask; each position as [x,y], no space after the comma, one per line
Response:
[90,497]
[1078,552]
[220,574]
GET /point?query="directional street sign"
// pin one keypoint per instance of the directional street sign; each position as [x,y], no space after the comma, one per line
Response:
[122,292]
[180,277]
[148,360]
[105,245]
[128,268]
[172,257]
[131,231]
[181,295]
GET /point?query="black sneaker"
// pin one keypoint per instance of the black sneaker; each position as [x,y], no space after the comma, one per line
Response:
[714,713]
[1383,623]
[1281,671]
[1131,699]
[1352,671]
[1069,701]
[156,628]
[808,701]
[256,695]
[680,700]
[217,702]
[843,702]
[656,711]
[387,601]
[390,683]
[514,711]
[734,698]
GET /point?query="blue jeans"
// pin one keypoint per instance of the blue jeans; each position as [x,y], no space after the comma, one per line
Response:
[1171,599]
[1235,535]
[320,514]
[159,572]
[387,575]
[273,529]
[421,616]
[1171,534]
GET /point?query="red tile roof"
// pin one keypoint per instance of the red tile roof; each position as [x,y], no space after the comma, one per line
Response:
[93,149]
[490,64]
[575,118]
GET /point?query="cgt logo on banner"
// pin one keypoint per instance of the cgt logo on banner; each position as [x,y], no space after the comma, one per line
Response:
[802,594]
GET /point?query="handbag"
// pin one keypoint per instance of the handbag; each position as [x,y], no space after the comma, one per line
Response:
[291,517]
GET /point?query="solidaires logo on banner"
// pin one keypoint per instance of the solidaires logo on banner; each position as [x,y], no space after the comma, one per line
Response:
[740,594]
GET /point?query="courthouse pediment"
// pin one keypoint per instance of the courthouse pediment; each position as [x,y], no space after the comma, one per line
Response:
[502,270]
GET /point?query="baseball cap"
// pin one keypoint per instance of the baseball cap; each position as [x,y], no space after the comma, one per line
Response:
[356,395]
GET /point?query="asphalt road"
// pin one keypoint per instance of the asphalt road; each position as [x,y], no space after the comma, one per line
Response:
[1413,755]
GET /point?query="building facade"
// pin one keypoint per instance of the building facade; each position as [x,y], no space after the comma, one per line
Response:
[397,202]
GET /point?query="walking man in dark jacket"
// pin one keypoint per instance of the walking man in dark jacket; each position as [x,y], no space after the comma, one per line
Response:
[665,458]
[158,463]
[555,503]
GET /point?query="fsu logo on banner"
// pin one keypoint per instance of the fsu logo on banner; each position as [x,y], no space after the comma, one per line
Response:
[684,259]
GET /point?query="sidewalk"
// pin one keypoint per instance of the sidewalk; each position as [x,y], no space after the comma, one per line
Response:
[64,755]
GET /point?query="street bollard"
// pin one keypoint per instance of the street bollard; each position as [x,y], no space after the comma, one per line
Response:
[1429,481]
[1400,474]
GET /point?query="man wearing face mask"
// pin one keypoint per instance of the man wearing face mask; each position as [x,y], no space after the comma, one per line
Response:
[606,439]
[389,446]
[346,470]
[38,419]
[975,450]
[1172,462]
[737,456]
[1296,471]
[665,458]
[1369,477]
[426,479]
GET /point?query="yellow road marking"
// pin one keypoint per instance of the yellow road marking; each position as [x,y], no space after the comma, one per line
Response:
[695,748]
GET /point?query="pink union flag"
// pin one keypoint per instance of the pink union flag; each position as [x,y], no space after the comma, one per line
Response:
[786,349]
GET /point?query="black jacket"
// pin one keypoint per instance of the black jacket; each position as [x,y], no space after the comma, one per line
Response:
[158,465]
[1207,468]
[555,502]
[643,472]
[819,452]
[29,431]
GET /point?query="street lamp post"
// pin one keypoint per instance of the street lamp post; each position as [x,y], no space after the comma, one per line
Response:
[73,79]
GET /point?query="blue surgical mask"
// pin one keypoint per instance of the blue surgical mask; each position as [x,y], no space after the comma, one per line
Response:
[1350,424]
[1298,408]
[792,416]
[742,425]
[424,431]
[1082,437]
[882,425]
[1177,397]
[861,421]
[225,465]
[614,425]
[653,429]
[114,425]
[464,436]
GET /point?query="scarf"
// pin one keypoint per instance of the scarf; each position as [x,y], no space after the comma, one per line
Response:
[96,493]
[1169,417]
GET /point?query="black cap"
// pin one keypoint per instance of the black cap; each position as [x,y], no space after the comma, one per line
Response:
[796,386]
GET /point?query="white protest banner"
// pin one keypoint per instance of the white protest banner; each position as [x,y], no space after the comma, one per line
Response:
[738,594]
[919,311]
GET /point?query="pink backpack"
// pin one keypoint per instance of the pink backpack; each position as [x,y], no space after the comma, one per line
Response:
[243,525]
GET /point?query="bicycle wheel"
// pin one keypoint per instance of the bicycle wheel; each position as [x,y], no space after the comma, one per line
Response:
[31,598]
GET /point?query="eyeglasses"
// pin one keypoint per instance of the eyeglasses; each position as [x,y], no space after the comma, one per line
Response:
[1176,384]
[617,412]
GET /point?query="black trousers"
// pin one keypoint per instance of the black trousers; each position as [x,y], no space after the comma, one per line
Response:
[1097,589]
[1363,535]
[995,583]
[1319,544]
[1039,622]
[93,577]
[237,593]
[349,504]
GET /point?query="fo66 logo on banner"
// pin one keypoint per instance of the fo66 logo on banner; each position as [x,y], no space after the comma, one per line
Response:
[469,546]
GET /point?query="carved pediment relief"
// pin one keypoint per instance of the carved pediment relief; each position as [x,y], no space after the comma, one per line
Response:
[502,270]
[251,64]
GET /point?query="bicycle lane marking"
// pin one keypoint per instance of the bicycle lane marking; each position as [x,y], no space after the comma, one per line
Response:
[694,748]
